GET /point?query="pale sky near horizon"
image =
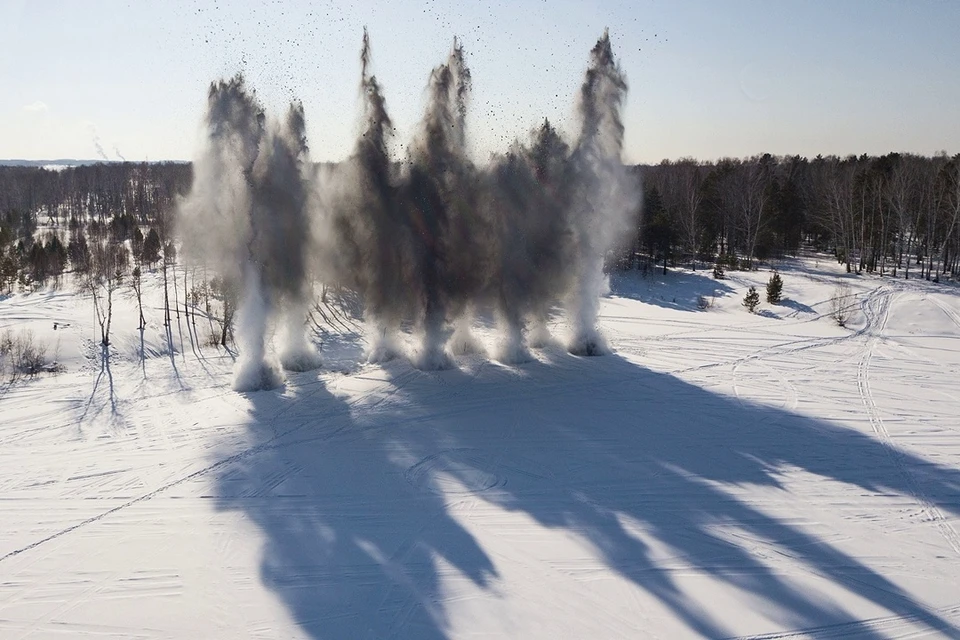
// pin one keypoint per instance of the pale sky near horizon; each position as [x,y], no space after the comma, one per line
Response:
[708,78]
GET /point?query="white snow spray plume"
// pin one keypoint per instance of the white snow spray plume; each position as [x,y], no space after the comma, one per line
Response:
[247,216]
[428,242]
[604,197]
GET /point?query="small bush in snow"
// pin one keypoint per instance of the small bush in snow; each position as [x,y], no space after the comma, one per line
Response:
[6,345]
[751,300]
[21,356]
[718,272]
[840,303]
[704,303]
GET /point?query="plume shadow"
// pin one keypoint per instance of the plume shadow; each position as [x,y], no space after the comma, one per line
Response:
[361,527]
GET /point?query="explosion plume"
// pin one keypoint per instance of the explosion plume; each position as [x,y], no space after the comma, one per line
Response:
[428,242]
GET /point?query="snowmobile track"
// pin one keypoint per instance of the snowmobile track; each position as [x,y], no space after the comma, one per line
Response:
[878,318]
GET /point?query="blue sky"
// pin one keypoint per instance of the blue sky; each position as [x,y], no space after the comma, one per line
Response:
[707,78]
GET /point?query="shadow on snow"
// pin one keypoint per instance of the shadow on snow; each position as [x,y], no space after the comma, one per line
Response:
[676,290]
[355,523]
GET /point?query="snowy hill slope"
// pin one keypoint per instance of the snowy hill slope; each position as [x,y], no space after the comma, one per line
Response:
[722,475]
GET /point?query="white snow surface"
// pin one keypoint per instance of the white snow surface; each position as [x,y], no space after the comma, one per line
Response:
[721,474]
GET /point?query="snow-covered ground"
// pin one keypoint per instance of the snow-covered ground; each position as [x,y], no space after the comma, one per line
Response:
[723,474]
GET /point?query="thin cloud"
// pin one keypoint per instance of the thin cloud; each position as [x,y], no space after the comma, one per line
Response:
[35,107]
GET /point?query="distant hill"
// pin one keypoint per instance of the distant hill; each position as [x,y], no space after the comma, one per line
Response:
[72,162]
[63,162]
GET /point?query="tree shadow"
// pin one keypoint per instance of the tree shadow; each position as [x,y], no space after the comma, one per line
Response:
[172,354]
[105,368]
[679,290]
[798,307]
[360,530]
[143,351]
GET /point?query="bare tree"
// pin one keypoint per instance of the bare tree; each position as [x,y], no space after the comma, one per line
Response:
[899,193]
[225,290]
[109,264]
[949,201]
[839,192]
[164,231]
[681,186]
[136,283]
[750,195]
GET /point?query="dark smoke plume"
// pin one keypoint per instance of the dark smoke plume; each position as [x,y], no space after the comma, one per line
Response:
[439,200]
[525,194]
[429,242]
[280,244]
[247,215]
[364,240]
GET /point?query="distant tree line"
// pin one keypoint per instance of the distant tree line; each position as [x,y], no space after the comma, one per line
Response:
[58,220]
[101,223]
[894,215]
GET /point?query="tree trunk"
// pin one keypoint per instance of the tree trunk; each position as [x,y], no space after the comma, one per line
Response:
[106,333]
[226,322]
[166,294]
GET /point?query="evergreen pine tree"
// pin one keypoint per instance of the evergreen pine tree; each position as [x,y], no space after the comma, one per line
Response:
[78,250]
[774,288]
[751,300]
[137,245]
[151,247]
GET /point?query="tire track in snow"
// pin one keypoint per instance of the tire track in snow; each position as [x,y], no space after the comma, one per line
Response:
[96,586]
[272,443]
[791,397]
[950,313]
[147,496]
[885,624]
[796,346]
[873,413]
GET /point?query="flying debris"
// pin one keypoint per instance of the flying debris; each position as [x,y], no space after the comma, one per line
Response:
[429,242]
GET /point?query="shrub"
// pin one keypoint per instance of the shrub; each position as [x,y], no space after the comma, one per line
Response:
[21,355]
[718,271]
[840,303]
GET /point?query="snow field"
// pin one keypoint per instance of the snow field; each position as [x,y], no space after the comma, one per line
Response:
[721,474]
